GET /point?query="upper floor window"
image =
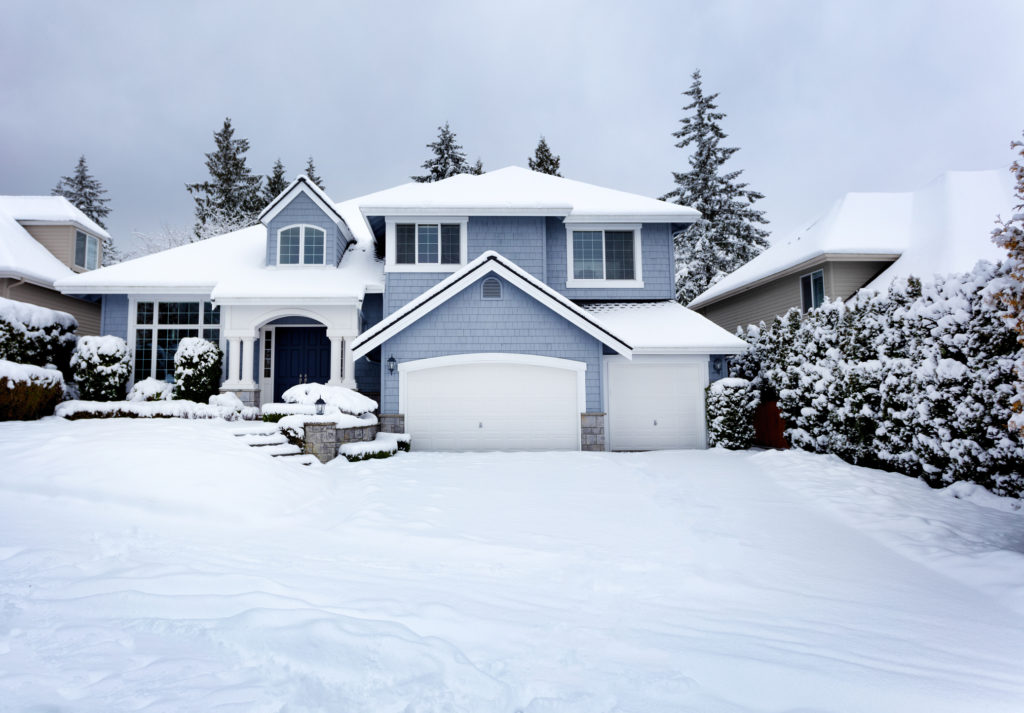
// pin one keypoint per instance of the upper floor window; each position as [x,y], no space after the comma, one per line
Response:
[604,257]
[426,246]
[303,244]
[87,250]
[812,290]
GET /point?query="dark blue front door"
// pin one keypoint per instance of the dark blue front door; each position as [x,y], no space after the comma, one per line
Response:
[301,355]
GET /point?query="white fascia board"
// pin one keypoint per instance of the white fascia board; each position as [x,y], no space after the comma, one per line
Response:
[698,350]
[14,275]
[289,301]
[617,218]
[567,310]
[433,211]
[64,223]
[135,289]
[286,199]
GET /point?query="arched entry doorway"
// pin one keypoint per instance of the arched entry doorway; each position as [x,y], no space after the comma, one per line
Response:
[298,352]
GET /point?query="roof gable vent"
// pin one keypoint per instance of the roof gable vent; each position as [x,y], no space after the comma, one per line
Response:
[491,289]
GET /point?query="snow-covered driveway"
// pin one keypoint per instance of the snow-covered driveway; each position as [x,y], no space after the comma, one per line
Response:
[166,566]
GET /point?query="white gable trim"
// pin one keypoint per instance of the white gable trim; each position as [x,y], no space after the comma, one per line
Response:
[303,185]
[489,262]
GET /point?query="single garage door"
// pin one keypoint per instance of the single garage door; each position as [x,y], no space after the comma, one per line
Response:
[492,405]
[656,405]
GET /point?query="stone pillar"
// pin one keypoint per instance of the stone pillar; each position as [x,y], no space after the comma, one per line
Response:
[592,432]
[392,422]
[321,440]
[247,346]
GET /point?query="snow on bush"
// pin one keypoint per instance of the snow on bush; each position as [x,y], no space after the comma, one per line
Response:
[150,389]
[196,369]
[346,400]
[730,410]
[101,367]
[293,427]
[384,445]
[28,392]
[74,410]
[30,334]
[919,380]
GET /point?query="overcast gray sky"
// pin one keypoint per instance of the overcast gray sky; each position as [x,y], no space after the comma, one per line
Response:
[822,98]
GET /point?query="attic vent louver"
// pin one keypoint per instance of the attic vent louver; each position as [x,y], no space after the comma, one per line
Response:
[492,289]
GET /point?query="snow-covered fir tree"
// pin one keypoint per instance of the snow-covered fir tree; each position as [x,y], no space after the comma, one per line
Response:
[312,175]
[543,160]
[276,182]
[1008,289]
[478,168]
[448,160]
[88,195]
[728,233]
[232,197]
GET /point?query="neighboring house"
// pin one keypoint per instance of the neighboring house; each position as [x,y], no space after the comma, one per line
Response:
[865,241]
[44,239]
[510,310]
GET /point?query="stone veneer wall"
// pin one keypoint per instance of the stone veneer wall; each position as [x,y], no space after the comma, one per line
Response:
[592,433]
[392,423]
[323,439]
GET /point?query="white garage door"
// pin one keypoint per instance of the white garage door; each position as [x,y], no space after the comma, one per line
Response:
[492,405]
[655,405]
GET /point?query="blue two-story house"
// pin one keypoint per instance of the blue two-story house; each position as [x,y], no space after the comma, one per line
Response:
[510,310]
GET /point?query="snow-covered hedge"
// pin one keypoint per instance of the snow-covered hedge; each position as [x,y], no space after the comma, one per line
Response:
[345,400]
[150,389]
[101,367]
[196,369]
[731,404]
[28,392]
[74,410]
[30,334]
[918,380]
[384,446]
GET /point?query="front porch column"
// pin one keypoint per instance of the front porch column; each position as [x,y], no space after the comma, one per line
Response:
[247,346]
[234,351]
[336,357]
[349,370]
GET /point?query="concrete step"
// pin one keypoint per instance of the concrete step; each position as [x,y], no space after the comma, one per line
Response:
[264,439]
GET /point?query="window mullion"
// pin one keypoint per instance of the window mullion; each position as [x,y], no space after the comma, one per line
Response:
[604,259]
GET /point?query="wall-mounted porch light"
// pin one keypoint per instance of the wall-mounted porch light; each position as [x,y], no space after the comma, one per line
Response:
[392,364]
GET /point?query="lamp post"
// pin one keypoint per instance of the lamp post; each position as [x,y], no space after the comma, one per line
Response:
[320,404]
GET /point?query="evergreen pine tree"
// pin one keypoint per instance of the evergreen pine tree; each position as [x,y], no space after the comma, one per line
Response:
[232,197]
[1008,288]
[727,234]
[448,160]
[478,168]
[87,194]
[311,174]
[276,182]
[543,161]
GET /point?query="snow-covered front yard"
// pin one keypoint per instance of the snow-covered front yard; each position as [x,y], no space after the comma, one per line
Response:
[166,566]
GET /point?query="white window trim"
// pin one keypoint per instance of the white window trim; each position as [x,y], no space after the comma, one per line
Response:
[302,245]
[133,325]
[88,239]
[572,282]
[811,274]
[391,246]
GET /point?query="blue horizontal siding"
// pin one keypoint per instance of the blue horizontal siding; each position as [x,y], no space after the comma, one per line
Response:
[302,210]
[469,324]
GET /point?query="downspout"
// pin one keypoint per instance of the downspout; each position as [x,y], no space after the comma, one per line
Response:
[8,286]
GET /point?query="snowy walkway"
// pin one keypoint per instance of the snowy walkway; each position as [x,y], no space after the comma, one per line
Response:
[168,566]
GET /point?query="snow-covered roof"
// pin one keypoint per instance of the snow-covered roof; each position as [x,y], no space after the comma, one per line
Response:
[664,328]
[232,267]
[943,227]
[519,191]
[23,257]
[49,209]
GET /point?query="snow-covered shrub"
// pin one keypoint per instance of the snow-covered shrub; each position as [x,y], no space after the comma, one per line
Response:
[30,334]
[731,404]
[74,410]
[150,389]
[384,446]
[197,369]
[101,367]
[28,392]
[345,400]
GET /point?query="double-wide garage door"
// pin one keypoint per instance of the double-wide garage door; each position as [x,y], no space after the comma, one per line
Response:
[654,405]
[484,403]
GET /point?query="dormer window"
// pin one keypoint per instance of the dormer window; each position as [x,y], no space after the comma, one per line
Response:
[301,244]
[87,250]
[426,246]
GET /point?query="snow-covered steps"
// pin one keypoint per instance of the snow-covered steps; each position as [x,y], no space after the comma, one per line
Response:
[263,439]
[268,439]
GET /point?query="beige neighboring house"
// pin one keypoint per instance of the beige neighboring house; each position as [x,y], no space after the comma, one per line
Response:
[865,241]
[44,239]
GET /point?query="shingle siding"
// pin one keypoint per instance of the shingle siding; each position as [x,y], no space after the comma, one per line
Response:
[521,240]
[656,261]
[468,324]
[114,316]
[302,210]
